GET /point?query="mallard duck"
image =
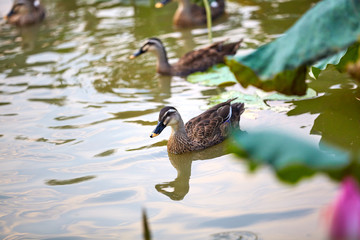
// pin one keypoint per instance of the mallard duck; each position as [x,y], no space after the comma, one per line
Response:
[208,129]
[25,12]
[193,61]
[189,14]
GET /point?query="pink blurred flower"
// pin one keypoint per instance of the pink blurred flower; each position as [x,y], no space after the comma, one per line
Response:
[345,212]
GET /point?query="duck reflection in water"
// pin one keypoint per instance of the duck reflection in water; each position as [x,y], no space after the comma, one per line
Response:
[182,163]
[178,188]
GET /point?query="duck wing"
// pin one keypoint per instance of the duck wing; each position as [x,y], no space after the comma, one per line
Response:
[198,13]
[237,110]
[202,59]
[210,127]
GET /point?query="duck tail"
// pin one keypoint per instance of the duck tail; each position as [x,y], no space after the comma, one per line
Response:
[237,110]
[240,107]
[239,42]
[232,99]
[231,48]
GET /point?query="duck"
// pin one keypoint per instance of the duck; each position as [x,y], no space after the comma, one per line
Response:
[203,131]
[194,61]
[189,14]
[25,13]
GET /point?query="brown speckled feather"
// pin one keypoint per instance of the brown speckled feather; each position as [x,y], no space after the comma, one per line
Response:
[32,14]
[202,59]
[197,15]
[209,128]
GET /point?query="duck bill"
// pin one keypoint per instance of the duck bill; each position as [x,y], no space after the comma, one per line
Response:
[159,128]
[138,53]
[162,3]
[6,17]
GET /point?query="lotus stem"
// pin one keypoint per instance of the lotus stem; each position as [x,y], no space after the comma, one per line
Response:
[208,19]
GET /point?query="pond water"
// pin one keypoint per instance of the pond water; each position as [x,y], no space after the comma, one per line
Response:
[76,160]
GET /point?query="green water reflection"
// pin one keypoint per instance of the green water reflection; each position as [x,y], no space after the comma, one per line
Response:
[338,109]
[55,182]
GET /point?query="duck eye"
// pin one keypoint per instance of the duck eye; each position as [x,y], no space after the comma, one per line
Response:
[17,8]
[167,120]
[145,47]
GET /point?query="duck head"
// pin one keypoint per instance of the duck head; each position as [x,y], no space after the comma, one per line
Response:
[167,116]
[151,45]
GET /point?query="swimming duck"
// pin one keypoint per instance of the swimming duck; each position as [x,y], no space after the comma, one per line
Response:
[208,129]
[25,12]
[189,14]
[193,61]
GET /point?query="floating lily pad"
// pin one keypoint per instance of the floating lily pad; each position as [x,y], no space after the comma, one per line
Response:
[310,93]
[250,100]
[218,75]
[258,100]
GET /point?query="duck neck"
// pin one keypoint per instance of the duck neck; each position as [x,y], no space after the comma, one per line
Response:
[184,6]
[162,64]
[179,140]
[179,129]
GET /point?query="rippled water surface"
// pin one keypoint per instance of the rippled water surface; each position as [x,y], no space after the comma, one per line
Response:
[76,160]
